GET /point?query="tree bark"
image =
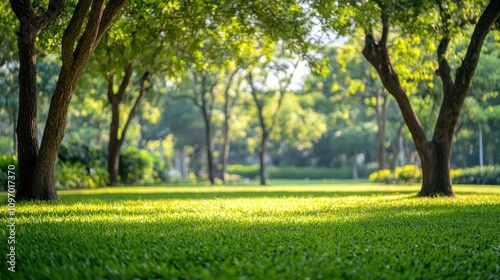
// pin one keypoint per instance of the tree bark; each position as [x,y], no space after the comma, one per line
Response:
[37,167]
[435,155]
[14,125]
[30,25]
[27,120]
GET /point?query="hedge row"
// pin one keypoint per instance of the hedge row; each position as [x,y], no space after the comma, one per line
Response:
[285,172]
[68,175]
[489,175]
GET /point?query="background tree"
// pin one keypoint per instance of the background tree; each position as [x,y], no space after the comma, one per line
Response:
[268,100]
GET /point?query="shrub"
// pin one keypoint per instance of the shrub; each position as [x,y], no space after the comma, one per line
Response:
[488,175]
[141,167]
[78,176]
[412,174]
[406,174]
[79,152]
[232,178]
[382,176]
[247,171]
[5,161]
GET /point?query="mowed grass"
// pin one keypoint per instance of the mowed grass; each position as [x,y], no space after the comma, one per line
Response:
[315,231]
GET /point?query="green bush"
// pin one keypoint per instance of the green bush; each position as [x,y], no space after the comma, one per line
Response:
[401,175]
[247,171]
[5,161]
[141,167]
[409,174]
[382,176]
[78,176]
[488,175]
[79,152]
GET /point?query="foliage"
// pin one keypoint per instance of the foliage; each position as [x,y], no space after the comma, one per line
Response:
[412,174]
[77,151]
[488,175]
[78,176]
[407,174]
[330,232]
[382,176]
[140,167]
[5,161]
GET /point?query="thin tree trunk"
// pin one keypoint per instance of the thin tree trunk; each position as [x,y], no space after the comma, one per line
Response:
[263,160]
[227,132]
[355,166]
[225,147]
[116,141]
[114,146]
[208,142]
[381,110]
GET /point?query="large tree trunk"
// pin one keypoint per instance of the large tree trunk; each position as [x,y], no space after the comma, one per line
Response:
[435,160]
[44,176]
[27,121]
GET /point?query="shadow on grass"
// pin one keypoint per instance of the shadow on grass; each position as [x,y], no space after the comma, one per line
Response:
[112,197]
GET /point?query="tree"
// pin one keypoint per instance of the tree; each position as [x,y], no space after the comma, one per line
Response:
[229,103]
[37,165]
[435,154]
[282,71]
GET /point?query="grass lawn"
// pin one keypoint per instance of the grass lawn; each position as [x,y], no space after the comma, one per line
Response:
[314,231]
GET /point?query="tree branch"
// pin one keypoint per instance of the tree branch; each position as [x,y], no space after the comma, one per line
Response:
[133,111]
[88,39]
[463,77]
[54,9]
[73,30]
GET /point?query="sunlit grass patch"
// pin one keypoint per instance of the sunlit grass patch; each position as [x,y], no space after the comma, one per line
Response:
[280,232]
